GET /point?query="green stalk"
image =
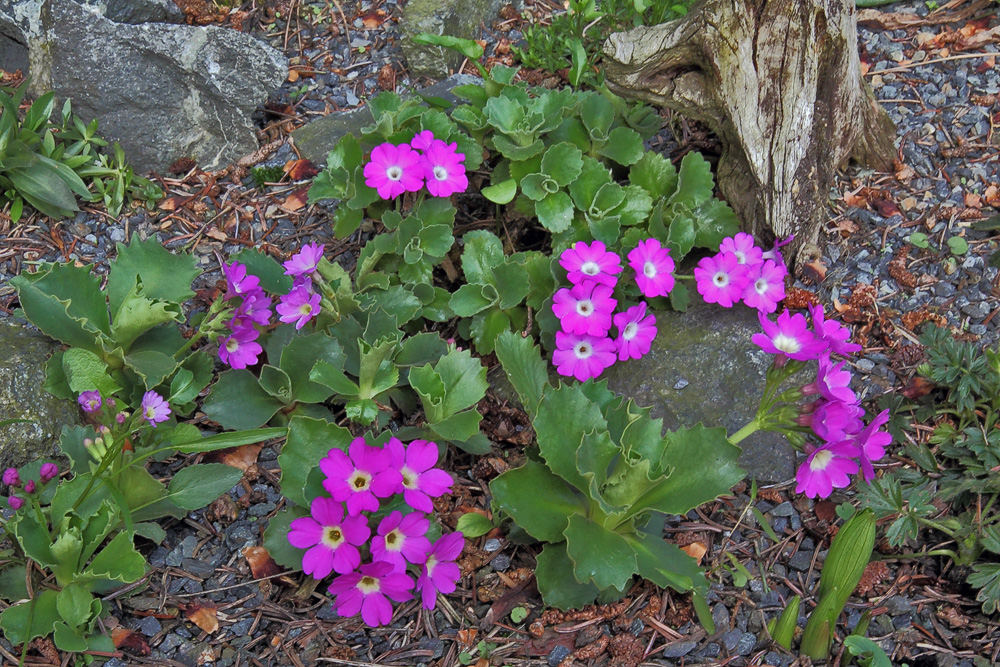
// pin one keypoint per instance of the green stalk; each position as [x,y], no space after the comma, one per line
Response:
[751,427]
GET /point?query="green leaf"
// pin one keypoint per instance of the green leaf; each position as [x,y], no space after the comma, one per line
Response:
[469,48]
[655,174]
[13,582]
[564,416]
[986,577]
[563,163]
[869,653]
[459,428]
[555,212]
[534,186]
[694,182]
[196,486]
[86,371]
[681,235]
[68,639]
[504,113]
[487,326]
[154,367]
[33,538]
[73,604]
[151,531]
[138,314]
[237,401]
[624,146]
[784,629]
[539,501]
[473,525]
[66,303]
[665,564]
[334,378]
[42,187]
[275,382]
[144,497]
[599,555]
[501,193]
[276,538]
[118,561]
[714,221]
[481,253]
[225,440]
[298,358]
[309,440]
[556,583]
[579,64]
[592,178]
[680,297]
[271,273]
[958,245]
[29,620]
[470,299]
[164,276]
[597,114]
[522,362]
[464,378]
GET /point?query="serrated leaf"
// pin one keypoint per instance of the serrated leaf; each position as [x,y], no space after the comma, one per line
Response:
[527,371]
[137,314]
[694,182]
[539,501]
[563,163]
[624,146]
[118,561]
[26,621]
[86,371]
[298,358]
[713,222]
[67,304]
[482,251]
[164,276]
[986,577]
[599,555]
[681,235]
[556,583]
[564,416]
[655,174]
[309,440]
[555,212]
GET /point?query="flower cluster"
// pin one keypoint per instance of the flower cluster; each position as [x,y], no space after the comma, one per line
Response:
[394,169]
[337,531]
[12,479]
[741,271]
[302,303]
[240,348]
[586,310]
[847,445]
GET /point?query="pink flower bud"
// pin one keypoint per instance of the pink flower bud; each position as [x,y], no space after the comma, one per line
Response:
[11,478]
[48,471]
[121,417]
[29,487]
[15,502]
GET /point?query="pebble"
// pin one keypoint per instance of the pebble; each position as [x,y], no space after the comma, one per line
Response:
[732,639]
[149,626]
[801,560]
[500,562]
[747,643]
[898,605]
[785,509]
[492,544]
[720,616]
[678,649]
[556,655]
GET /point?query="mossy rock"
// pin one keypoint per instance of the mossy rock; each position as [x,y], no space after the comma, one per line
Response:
[455,18]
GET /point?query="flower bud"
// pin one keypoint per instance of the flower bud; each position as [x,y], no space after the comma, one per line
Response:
[48,471]
[121,417]
[29,487]
[15,502]
[11,477]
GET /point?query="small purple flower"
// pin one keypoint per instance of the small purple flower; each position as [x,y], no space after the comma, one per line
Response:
[360,477]
[238,281]
[255,307]
[742,245]
[121,417]
[240,349]
[585,308]
[154,408]
[90,401]
[421,481]
[636,332]
[654,268]
[15,502]
[299,306]
[581,356]
[368,591]
[720,279]
[401,540]
[591,261]
[766,286]
[48,471]
[305,261]
[833,421]
[789,336]
[11,477]
[439,573]
[836,335]
[331,538]
[872,443]
[832,382]
[827,468]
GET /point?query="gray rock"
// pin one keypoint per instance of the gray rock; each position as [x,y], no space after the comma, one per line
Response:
[315,140]
[149,626]
[163,91]
[556,655]
[898,605]
[139,11]
[456,18]
[747,643]
[784,509]
[710,347]
[801,560]
[23,354]
[678,649]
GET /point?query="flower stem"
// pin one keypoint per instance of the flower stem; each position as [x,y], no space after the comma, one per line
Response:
[752,427]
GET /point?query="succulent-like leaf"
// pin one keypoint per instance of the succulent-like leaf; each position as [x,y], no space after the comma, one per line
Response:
[556,583]
[539,501]
[599,555]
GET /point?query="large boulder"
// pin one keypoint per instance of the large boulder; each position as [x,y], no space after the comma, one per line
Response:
[163,91]
[455,18]
[23,353]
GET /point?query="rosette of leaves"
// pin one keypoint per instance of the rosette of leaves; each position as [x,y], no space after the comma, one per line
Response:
[125,339]
[596,491]
[410,247]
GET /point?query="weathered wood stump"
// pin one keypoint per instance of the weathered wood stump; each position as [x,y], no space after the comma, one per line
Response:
[780,82]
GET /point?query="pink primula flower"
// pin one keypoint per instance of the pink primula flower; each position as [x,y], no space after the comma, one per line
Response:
[394,170]
[765,286]
[360,477]
[423,140]
[154,408]
[238,281]
[90,401]
[721,279]
[305,261]
[401,540]
[255,307]
[790,336]
[331,538]
[654,268]
[591,261]
[832,382]
[636,331]
[834,334]
[368,591]
[742,245]
[833,421]
[828,467]
[444,169]
[872,443]
[421,481]
[298,306]
[585,308]
[240,349]
[439,572]
[582,356]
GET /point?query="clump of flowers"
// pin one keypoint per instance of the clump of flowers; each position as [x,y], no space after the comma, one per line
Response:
[28,490]
[240,348]
[378,568]
[395,169]
[741,271]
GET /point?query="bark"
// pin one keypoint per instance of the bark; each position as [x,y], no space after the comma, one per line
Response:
[780,82]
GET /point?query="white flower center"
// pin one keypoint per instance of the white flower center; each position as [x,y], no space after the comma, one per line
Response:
[394,540]
[440,173]
[231,346]
[359,481]
[631,329]
[721,279]
[760,286]
[590,268]
[787,344]
[584,307]
[368,585]
[305,309]
[741,257]
[150,412]
[821,460]
[332,537]
[394,173]
[409,478]
[583,350]
[430,565]
[649,270]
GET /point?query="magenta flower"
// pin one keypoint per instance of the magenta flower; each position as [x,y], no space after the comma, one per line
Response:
[299,306]
[443,169]
[828,467]
[582,356]
[305,261]
[832,382]
[15,502]
[421,481]
[48,471]
[154,408]
[720,279]
[591,262]
[255,307]
[636,332]
[90,401]
[833,421]
[360,477]
[240,349]
[654,268]
[401,540]
[394,170]
[238,281]
[872,443]
[742,245]
[29,486]
[585,308]
[423,140]
[369,591]
[765,286]
[774,253]
[440,573]
[835,334]
[331,538]
[789,336]
[11,477]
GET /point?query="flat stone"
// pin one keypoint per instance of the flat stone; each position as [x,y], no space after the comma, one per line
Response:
[710,348]
[456,18]
[678,649]
[23,353]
